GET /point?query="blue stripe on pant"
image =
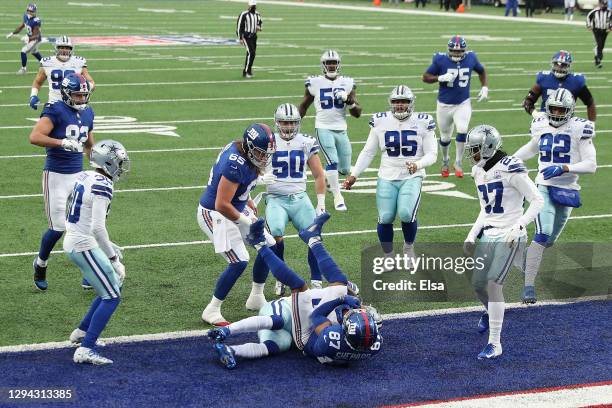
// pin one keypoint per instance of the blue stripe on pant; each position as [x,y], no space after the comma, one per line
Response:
[97,269]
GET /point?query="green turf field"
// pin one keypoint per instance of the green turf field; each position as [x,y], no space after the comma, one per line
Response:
[200,91]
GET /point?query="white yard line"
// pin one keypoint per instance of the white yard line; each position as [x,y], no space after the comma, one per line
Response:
[329,234]
[20,348]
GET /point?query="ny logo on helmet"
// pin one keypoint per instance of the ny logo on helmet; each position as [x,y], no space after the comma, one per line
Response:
[352,328]
[252,133]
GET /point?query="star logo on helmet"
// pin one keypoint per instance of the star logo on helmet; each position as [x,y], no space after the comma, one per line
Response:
[487,132]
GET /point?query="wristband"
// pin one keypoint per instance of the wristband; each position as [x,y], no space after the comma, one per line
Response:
[352,106]
[34,92]
[321,200]
[243,220]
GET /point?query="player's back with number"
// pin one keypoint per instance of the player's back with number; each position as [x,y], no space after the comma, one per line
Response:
[458,90]
[330,346]
[236,168]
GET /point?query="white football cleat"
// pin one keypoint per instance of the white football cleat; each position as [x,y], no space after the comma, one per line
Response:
[84,355]
[409,252]
[339,203]
[279,289]
[255,301]
[22,71]
[77,336]
[316,284]
[212,315]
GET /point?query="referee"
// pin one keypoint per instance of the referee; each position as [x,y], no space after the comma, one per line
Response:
[249,23]
[599,21]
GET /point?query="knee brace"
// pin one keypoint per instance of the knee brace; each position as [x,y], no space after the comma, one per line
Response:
[461,137]
[444,142]
[543,239]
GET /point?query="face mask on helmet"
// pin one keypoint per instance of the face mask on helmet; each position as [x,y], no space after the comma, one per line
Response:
[63,52]
[560,69]
[473,153]
[360,329]
[331,68]
[401,108]
[76,91]
[287,129]
[456,54]
[258,144]
[558,115]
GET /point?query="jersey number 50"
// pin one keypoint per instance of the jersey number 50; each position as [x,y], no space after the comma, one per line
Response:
[288,164]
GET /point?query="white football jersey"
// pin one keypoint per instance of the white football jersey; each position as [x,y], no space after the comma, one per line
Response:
[500,201]
[89,186]
[331,114]
[289,164]
[56,70]
[559,146]
[410,140]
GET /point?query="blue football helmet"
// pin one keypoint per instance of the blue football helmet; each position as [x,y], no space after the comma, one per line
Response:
[259,144]
[76,90]
[360,329]
[31,9]
[561,64]
[456,48]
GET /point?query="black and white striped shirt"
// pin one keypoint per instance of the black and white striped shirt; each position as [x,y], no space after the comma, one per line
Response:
[247,24]
[600,19]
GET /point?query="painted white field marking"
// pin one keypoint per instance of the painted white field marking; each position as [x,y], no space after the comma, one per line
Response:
[93,4]
[329,234]
[349,27]
[20,348]
[170,11]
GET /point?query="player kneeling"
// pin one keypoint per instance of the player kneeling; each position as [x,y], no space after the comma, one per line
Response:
[336,331]
[503,185]
[89,247]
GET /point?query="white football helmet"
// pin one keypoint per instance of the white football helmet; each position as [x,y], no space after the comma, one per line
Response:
[560,107]
[287,121]
[483,139]
[63,48]
[330,63]
[401,101]
[110,156]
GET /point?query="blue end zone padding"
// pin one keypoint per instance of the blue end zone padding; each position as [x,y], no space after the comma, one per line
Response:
[423,358]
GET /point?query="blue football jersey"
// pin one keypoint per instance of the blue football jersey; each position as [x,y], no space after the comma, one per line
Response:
[31,23]
[453,93]
[236,168]
[549,83]
[67,123]
[330,346]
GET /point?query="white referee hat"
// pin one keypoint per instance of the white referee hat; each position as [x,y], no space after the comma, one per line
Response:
[252,2]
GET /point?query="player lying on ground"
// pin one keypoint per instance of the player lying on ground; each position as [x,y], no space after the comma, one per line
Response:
[565,149]
[89,247]
[336,331]
[503,185]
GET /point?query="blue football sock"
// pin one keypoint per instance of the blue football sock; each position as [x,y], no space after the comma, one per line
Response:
[84,325]
[385,236]
[280,270]
[49,239]
[272,347]
[260,269]
[327,265]
[228,278]
[409,229]
[24,59]
[99,319]
[37,55]
[315,272]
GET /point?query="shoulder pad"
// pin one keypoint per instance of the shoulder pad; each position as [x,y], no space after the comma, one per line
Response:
[585,129]
[376,118]
[36,19]
[425,120]
[308,80]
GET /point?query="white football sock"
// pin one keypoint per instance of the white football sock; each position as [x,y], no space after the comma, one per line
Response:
[251,324]
[459,148]
[532,265]
[445,153]
[216,303]
[250,350]
[257,288]
[496,319]
[40,262]
[332,179]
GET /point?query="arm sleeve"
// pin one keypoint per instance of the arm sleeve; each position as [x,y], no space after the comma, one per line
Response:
[589,19]
[231,171]
[430,148]
[585,95]
[239,24]
[319,315]
[528,150]
[367,154]
[433,69]
[588,164]
[98,214]
[478,67]
[526,187]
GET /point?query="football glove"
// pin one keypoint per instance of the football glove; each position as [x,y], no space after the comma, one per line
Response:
[71,145]
[483,94]
[514,233]
[118,252]
[269,179]
[9,35]
[552,171]
[340,95]
[352,301]
[448,77]
[34,102]
[119,270]
[468,246]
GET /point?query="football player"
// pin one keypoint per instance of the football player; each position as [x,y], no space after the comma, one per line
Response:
[226,211]
[565,149]
[559,76]
[453,72]
[408,143]
[333,95]
[88,245]
[32,25]
[337,330]
[55,68]
[502,185]
[286,186]
[65,131]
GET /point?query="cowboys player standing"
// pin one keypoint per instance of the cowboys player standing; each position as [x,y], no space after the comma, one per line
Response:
[55,68]
[333,95]
[408,143]
[32,25]
[65,131]
[453,71]
[503,185]
[565,149]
